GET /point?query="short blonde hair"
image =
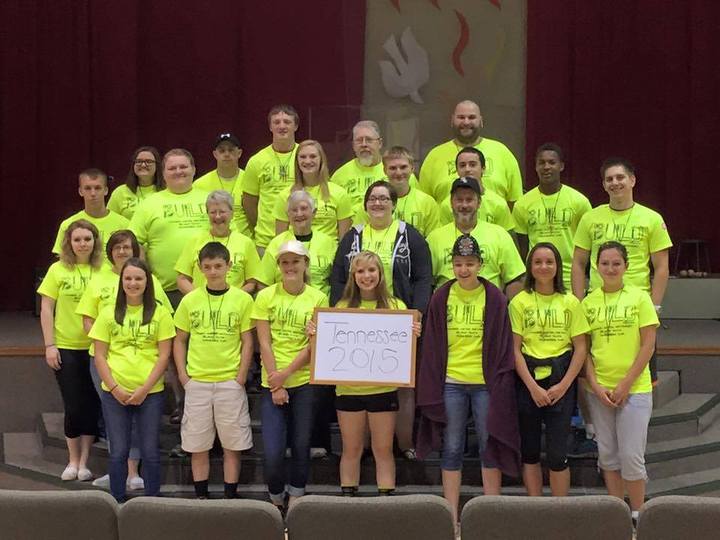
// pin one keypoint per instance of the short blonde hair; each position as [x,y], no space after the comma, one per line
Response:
[67,255]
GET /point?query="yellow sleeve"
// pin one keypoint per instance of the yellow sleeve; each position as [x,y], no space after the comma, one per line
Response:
[512,176]
[511,263]
[519,214]
[432,216]
[251,178]
[428,174]
[160,295]
[345,208]
[659,237]
[516,316]
[280,208]
[114,204]
[260,307]
[57,246]
[166,328]
[49,286]
[181,318]
[100,330]
[187,258]
[138,225]
[578,321]
[504,218]
[247,322]
[582,237]
[647,316]
[88,304]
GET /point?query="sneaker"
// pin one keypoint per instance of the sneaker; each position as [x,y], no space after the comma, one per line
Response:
[288,453]
[583,447]
[84,474]
[102,482]
[318,453]
[177,451]
[70,473]
[409,454]
[135,483]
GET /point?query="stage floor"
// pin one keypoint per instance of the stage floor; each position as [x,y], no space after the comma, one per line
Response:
[22,330]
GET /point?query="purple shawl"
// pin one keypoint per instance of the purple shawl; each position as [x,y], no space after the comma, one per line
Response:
[498,360]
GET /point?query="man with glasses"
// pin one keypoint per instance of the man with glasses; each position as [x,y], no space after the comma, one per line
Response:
[227,177]
[501,173]
[366,167]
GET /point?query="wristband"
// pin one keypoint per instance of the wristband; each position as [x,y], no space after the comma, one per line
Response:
[658,308]
[48,346]
[114,387]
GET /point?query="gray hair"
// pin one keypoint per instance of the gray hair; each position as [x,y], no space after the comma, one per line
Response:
[220,196]
[301,195]
[370,124]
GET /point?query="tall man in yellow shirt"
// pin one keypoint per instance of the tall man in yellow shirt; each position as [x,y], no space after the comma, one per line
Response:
[501,174]
[268,172]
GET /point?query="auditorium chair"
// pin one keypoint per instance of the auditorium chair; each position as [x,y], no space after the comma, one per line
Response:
[57,515]
[596,517]
[677,517]
[184,519]
[402,517]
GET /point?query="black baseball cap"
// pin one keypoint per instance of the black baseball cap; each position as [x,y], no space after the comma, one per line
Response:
[466,246]
[226,137]
[466,182]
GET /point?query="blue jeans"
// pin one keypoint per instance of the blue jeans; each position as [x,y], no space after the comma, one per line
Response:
[459,399]
[298,415]
[134,450]
[118,423]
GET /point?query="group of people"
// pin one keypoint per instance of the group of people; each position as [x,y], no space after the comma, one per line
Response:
[200,275]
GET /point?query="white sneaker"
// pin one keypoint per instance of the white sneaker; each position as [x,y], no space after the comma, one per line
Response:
[135,483]
[288,452]
[102,482]
[70,473]
[84,475]
[318,453]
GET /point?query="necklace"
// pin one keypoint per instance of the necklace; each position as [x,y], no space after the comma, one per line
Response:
[400,212]
[550,217]
[230,181]
[283,172]
[548,310]
[372,240]
[624,227]
[218,314]
[83,279]
[219,238]
[611,312]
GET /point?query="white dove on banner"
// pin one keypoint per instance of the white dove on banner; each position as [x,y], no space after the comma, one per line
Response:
[403,77]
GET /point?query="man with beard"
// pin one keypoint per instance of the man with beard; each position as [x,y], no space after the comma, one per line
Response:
[502,173]
[365,168]
[502,265]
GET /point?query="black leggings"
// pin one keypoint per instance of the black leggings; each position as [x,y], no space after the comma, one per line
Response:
[557,419]
[82,405]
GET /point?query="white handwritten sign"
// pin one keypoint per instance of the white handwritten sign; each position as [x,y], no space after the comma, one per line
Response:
[363,347]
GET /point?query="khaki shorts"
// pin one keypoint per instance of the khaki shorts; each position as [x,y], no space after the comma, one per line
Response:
[210,406]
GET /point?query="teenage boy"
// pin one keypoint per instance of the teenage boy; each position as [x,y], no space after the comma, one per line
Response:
[213,368]
[227,177]
[92,187]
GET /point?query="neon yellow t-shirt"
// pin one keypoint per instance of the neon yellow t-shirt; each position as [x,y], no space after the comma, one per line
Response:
[266,175]
[211,181]
[163,224]
[105,226]
[287,315]
[641,230]
[66,285]
[382,243]
[356,178]
[493,209]
[547,324]
[133,346]
[321,249]
[502,172]
[243,256]
[615,321]
[465,328]
[123,201]
[215,324]
[552,218]
[416,208]
[501,260]
[327,213]
[102,292]
[341,390]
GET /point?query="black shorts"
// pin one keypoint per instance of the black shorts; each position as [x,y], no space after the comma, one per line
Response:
[372,403]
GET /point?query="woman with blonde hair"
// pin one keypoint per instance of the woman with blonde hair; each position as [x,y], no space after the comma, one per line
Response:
[66,344]
[334,206]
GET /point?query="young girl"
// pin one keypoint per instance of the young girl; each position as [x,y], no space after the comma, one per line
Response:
[360,406]
[66,345]
[623,323]
[549,329]
[133,340]
[281,312]
[468,363]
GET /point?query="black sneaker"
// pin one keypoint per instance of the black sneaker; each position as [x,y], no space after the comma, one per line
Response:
[177,451]
[583,447]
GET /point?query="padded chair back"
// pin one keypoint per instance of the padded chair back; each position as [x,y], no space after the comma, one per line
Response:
[679,518]
[186,519]
[411,517]
[57,515]
[596,517]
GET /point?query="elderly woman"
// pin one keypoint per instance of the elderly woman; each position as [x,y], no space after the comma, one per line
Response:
[406,261]
[143,180]
[334,212]
[245,262]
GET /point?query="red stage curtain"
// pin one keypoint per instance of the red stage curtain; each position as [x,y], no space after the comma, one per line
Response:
[637,79]
[84,83]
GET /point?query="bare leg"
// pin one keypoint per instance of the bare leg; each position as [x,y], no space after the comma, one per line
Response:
[352,430]
[532,477]
[636,493]
[492,481]
[451,481]
[74,451]
[231,466]
[133,468]
[614,483]
[405,418]
[382,428]
[86,442]
[560,483]
[200,463]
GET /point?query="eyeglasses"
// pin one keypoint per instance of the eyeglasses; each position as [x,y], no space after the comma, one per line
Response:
[382,199]
[365,140]
[146,162]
